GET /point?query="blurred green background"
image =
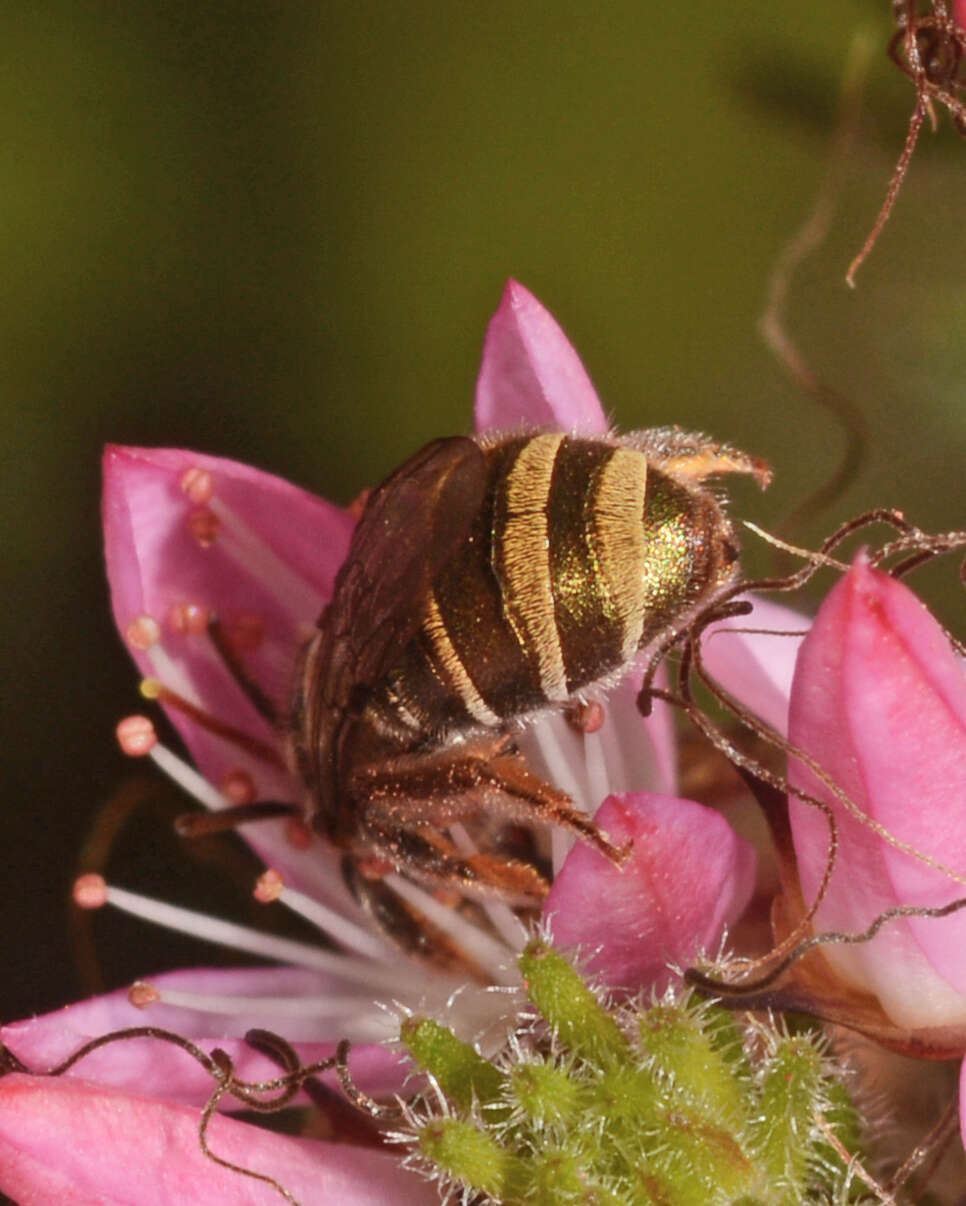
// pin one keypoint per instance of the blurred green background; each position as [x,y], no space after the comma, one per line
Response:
[276,232]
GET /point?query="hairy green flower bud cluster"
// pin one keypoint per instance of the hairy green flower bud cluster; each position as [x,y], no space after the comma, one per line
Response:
[674,1104]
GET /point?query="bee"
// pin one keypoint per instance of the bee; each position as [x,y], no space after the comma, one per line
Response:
[488,579]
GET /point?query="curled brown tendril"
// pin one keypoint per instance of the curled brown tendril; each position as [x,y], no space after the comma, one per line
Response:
[261,1096]
[752,989]
[916,548]
[930,48]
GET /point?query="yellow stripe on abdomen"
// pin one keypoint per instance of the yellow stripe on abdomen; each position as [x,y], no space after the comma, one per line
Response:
[521,557]
[619,540]
[452,665]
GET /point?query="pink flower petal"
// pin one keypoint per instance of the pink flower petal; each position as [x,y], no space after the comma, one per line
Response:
[687,877]
[277,561]
[274,557]
[959,13]
[530,374]
[164,1070]
[756,667]
[69,1141]
[879,699]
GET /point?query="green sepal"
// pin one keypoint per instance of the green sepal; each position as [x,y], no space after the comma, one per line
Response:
[701,1160]
[702,1055]
[790,1090]
[546,1093]
[460,1071]
[473,1157]
[569,1007]
[676,1104]
[844,1121]
[559,1178]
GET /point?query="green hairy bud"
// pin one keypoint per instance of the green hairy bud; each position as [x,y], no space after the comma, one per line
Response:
[676,1103]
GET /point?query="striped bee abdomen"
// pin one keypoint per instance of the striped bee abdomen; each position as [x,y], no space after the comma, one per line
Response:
[581,553]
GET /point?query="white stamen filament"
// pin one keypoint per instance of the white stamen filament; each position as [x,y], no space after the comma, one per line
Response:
[492,956]
[294,594]
[187,778]
[269,946]
[596,767]
[567,770]
[623,772]
[338,927]
[313,1007]
[381,971]
[563,773]
[171,675]
[506,923]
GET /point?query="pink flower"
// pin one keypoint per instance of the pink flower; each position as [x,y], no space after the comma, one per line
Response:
[187,534]
[879,699]
[73,1141]
[689,877]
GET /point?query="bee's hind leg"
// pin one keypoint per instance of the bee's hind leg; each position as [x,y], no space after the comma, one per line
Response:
[477,782]
[431,857]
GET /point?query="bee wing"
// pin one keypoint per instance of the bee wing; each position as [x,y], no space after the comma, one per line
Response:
[412,524]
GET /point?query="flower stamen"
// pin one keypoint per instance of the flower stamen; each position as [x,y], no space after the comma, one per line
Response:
[89,894]
[142,633]
[292,592]
[271,886]
[238,786]
[197,484]
[137,737]
[346,1007]
[167,670]
[188,618]
[564,772]
[491,956]
[154,689]
[596,762]
[203,524]
[503,919]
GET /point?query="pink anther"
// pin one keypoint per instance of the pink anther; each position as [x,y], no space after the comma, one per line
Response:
[188,619]
[269,886]
[197,484]
[238,786]
[90,891]
[136,736]
[143,632]
[142,994]
[203,524]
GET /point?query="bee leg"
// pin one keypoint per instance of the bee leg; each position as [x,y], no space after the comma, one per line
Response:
[202,824]
[694,457]
[543,802]
[402,922]
[430,856]
[474,780]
